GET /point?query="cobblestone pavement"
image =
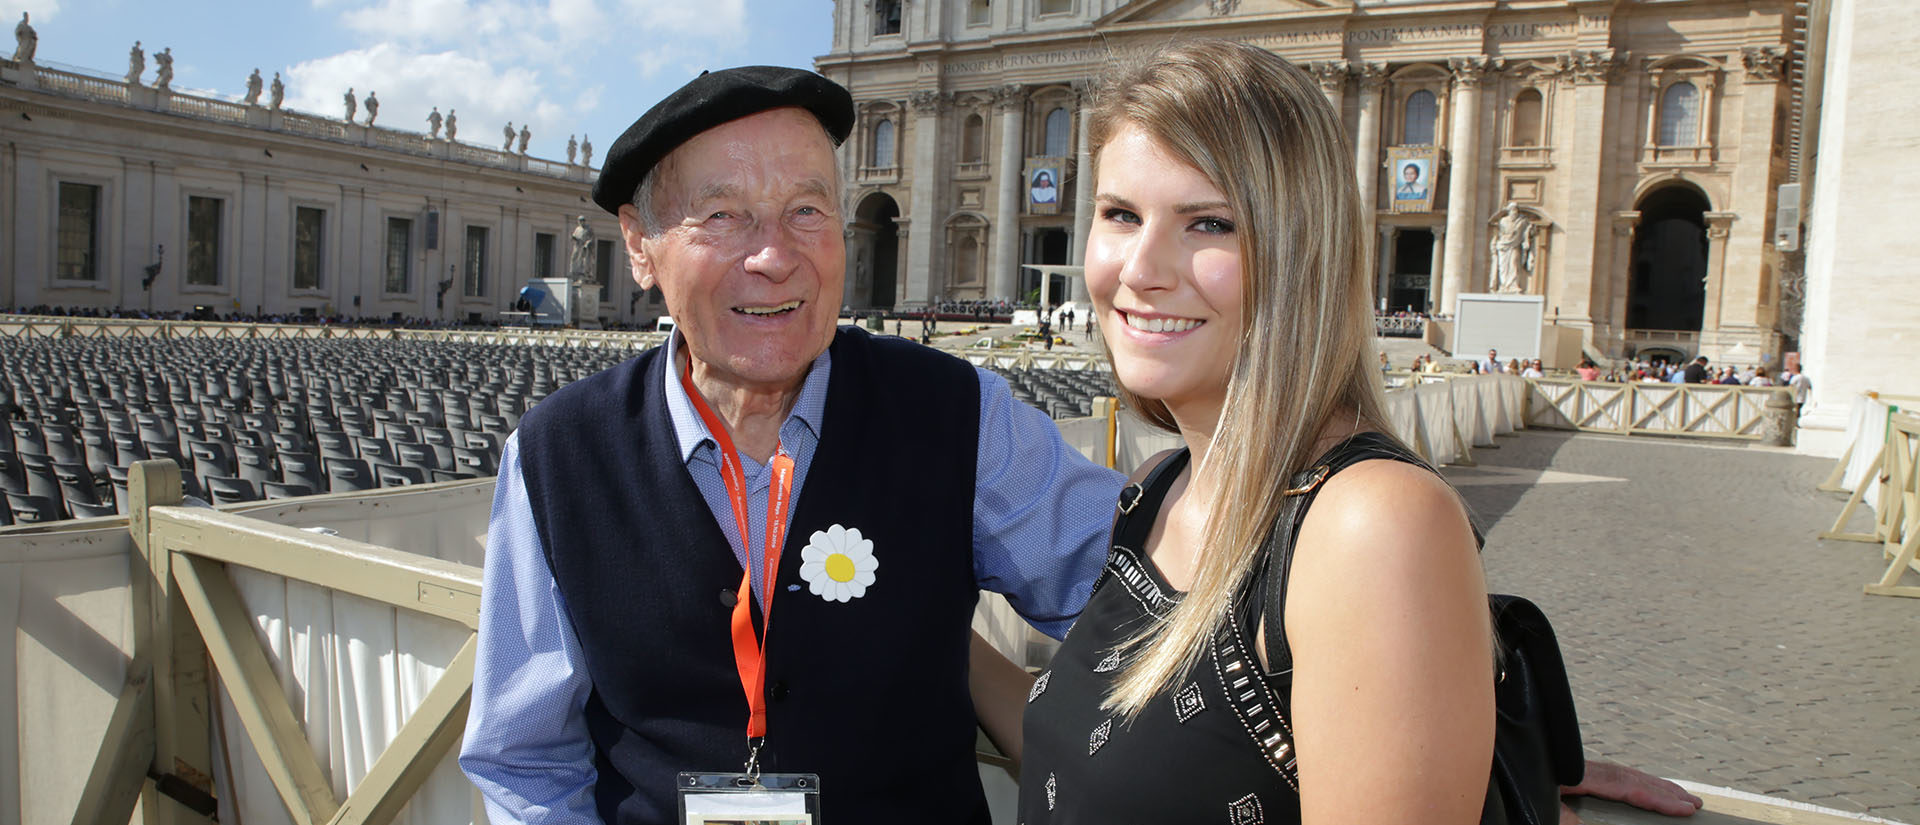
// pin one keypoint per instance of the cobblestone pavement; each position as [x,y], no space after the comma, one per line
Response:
[1709,634]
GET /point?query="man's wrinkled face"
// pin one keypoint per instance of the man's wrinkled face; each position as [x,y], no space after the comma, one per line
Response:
[750,257]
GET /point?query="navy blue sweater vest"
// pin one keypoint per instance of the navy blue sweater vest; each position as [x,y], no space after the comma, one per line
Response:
[870,694]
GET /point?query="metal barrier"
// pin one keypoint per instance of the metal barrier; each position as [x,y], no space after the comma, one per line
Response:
[1702,410]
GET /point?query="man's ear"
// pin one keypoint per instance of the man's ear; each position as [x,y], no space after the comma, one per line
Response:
[633,235]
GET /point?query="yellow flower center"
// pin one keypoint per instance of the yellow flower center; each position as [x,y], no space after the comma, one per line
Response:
[839,567]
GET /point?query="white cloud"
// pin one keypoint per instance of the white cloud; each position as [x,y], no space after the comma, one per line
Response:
[536,62]
[42,11]
[410,84]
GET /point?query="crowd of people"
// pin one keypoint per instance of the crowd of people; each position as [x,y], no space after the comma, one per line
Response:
[1651,371]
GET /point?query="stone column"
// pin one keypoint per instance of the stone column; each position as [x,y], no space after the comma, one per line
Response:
[1384,254]
[1332,75]
[1366,140]
[1719,226]
[1584,293]
[1438,269]
[1463,178]
[1082,195]
[918,276]
[1004,262]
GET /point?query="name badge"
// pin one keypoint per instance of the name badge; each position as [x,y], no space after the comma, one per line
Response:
[749,799]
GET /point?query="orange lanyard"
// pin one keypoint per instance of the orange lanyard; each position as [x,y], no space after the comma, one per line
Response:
[749,654]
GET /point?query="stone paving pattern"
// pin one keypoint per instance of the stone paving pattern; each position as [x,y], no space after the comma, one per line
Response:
[1709,634]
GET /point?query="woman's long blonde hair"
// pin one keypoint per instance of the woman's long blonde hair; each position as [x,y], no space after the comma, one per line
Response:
[1262,132]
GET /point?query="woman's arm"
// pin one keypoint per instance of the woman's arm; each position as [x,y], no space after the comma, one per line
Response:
[1387,620]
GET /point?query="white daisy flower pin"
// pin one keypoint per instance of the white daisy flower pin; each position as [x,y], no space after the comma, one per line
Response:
[838,563]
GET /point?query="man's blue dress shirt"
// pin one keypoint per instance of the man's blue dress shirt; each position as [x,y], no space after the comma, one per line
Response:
[1041,516]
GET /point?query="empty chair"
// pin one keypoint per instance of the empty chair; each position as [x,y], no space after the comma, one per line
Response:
[41,480]
[32,509]
[84,509]
[393,476]
[76,484]
[450,475]
[345,475]
[422,456]
[27,438]
[494,424]
[286,442]
[211,458]
[303,468]
[422,418]
[13,477]
[127,449]
[479,462]
[258,420]
[333,444]
[254,464]
[215,431]
[481,441]
[375,451]
[230,490]
[117,476]
[244,437]
[276,489]
[396,431]
[99,448]
[62,445]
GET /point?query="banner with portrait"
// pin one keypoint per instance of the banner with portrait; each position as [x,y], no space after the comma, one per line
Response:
[1411,173]
[1045,186]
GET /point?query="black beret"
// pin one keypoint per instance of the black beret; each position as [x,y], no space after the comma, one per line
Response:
[709,100]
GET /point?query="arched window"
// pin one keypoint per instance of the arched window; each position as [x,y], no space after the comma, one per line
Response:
[1059,124]
[882,144]
[973,139]
[1416,127]
[886,17]
[1680,115]
[1527,109]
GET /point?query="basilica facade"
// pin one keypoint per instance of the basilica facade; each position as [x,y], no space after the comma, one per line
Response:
[1620,159]
[119,195]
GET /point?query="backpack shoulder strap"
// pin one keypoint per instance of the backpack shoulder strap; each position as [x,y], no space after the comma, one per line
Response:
[1133,515]
[1300,493]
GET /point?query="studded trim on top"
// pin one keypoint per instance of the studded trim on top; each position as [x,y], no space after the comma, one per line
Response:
[1125,566]
[1253,701]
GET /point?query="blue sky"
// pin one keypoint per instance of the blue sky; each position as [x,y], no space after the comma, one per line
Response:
[561,66]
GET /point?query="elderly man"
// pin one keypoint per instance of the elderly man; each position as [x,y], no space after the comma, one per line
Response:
[649,521]
[625,633]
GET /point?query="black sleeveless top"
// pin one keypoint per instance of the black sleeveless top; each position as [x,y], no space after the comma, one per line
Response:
[1190,756]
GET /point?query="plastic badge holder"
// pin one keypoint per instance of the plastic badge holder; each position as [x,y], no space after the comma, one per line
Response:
[740,799]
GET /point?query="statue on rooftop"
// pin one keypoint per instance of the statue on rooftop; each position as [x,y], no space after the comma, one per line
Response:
[453,125]
[586,151]
[279,91]
[373,107]
[508,131]
[351,104]
[253,88]
[433,124]
[163,69]
[26,41]
[573,148]
[136,63]
[524,137]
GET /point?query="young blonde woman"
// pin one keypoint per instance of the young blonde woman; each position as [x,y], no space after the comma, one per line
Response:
[1224,267]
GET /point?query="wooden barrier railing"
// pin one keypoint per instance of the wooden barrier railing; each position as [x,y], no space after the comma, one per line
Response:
[1895,476]
[188,613]
[1702,410]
